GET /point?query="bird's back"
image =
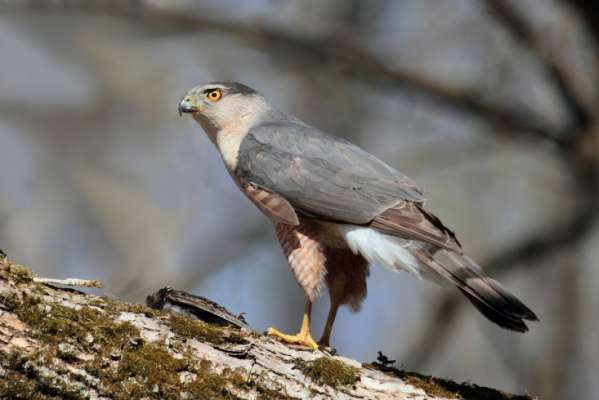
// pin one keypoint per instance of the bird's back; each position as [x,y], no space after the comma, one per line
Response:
[321,174]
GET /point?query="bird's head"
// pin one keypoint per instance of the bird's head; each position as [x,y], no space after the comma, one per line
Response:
[218,105]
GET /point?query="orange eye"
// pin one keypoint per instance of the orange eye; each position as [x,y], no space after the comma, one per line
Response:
[214,95]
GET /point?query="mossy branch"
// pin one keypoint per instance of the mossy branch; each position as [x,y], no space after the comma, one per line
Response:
[62,343]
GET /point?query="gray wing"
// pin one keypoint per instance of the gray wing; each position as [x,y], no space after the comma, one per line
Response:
[321,175]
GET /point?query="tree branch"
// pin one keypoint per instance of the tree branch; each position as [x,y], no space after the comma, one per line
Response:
[68,344]
[556,67]
[334,51]
[589,11]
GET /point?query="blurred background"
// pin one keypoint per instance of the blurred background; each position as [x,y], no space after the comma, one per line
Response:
[490,105]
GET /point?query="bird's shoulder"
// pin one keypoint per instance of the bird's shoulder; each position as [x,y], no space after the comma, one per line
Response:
[292,136]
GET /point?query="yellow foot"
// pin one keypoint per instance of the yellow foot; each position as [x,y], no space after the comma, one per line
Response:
[303,339]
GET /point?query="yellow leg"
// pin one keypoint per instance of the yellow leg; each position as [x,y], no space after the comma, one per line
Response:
[304,337]
[325,340]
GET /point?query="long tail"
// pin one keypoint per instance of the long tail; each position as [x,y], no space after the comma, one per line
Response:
[486,294]
[441,265]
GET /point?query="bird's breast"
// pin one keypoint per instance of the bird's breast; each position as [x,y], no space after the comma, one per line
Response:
[228,142]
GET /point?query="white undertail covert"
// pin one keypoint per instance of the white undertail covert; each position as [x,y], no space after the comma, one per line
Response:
[379,248]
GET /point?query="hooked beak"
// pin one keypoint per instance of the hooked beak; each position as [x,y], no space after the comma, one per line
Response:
[187,105]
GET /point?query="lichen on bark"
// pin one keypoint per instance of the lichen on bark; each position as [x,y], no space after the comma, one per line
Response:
[60,343]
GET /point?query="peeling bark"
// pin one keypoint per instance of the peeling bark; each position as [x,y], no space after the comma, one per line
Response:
[62,343]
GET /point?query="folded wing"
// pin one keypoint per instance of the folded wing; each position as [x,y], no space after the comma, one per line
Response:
[321,175]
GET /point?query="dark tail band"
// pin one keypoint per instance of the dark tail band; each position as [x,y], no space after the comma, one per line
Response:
[486,294]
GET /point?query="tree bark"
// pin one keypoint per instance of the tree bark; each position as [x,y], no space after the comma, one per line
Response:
[62,343]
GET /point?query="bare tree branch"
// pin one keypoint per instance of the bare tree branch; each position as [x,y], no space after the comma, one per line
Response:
[554,237]
[557,68]
[57,343]
[334,51]
[589,11]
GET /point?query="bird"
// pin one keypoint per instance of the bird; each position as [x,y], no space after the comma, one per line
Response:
[336,209]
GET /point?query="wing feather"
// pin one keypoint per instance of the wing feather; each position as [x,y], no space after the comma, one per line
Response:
[272,204]
[320,175]
[410,220]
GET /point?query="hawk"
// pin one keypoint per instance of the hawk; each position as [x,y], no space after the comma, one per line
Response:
[336,209]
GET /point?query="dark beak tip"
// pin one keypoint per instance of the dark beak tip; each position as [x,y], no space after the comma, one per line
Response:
[181,109]
[186,109]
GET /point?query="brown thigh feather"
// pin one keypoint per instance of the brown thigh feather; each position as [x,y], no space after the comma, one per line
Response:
[346,277]
[315,258]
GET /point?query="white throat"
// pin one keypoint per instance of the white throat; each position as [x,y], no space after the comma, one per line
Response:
[228,135]
[229,138]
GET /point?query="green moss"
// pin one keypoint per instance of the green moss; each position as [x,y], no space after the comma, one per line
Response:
[146,371]
[328,371]
[153,363]
[58,322]
[29,377]
[15,273]
[96,366]
[266,393]
[449,389]
[18,386]
[136,370]
[466,391]
[201,330]
[9,300]
[194,329]
[125,366]
[151,371]
[141,309]
[116,307]
[210,385]
[64,323]
[62,326]
[97,302]
[430,385]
